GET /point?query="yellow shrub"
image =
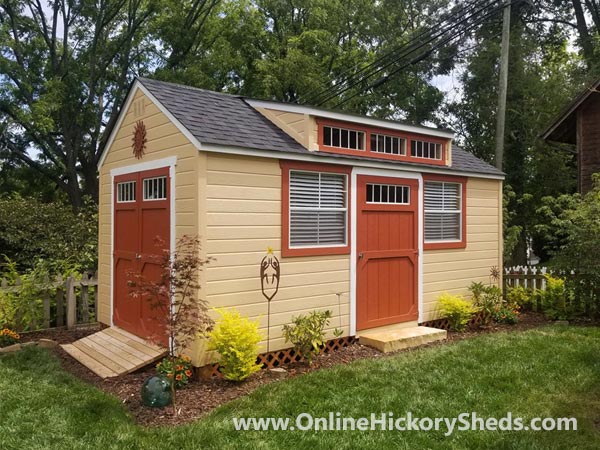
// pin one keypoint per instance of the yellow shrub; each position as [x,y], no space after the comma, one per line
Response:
[457,310]
[236,339]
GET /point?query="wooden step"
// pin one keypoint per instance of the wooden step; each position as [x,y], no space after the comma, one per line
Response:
[113,352]
[391,339]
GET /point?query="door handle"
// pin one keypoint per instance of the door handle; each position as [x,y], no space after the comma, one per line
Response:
[138,256]
[360,255]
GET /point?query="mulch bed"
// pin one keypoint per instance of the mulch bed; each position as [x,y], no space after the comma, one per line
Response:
[202,396]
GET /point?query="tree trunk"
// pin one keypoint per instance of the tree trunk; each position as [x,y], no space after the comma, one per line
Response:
[584,36]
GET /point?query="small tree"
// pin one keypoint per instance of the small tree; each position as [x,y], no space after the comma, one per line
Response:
[173,297]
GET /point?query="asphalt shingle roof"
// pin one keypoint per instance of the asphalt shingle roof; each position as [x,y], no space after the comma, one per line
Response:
[222,119]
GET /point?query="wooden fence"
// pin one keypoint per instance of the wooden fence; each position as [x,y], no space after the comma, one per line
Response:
[63,301]
[525,276]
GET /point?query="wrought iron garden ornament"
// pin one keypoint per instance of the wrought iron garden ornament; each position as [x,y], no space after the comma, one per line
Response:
[270,273]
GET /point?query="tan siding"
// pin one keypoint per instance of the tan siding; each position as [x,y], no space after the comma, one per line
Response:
[453,271]
[302,127]
[243,218]
[163,140]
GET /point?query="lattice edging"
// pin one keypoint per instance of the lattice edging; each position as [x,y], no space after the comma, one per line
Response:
[478,319]
[280,358]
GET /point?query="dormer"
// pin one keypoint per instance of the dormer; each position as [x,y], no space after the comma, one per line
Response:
[325,131]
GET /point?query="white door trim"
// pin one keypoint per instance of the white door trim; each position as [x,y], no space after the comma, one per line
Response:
[169,162]
[356,171]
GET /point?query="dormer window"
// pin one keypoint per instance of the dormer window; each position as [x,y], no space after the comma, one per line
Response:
[360,140]
[424,149]
[388,145]
[343,138]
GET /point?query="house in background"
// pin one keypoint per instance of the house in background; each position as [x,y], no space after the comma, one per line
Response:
[579,125]
[371,219]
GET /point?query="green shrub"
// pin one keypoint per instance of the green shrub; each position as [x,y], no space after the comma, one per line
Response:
[306,333]
[487,298]
[178,369]
[575,237]
[457,310]
[520,296]
[553,298]
[31,230]
[236,339]
[22,306]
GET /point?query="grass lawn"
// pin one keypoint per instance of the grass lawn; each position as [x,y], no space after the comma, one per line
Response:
[547,372]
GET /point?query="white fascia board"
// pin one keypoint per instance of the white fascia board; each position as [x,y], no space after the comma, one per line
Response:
[290,107]
[324,159]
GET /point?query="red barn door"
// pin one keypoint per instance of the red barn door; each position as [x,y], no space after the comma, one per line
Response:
[387,251]
[141,235]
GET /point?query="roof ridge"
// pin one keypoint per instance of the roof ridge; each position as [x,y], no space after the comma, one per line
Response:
[188,87]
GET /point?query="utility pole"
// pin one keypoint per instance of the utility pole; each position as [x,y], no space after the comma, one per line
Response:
[501,115]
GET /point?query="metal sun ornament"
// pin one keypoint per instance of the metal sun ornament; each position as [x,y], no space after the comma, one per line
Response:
[139,139]
[270,273]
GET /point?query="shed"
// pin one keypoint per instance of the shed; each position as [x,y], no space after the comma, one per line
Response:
[372,219]
[578,125]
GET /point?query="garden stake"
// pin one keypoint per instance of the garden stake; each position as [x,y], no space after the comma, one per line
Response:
[269,283]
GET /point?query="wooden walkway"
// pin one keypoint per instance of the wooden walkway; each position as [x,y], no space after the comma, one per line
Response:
[113,352]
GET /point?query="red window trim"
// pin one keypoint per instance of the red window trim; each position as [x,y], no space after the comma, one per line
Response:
[367,151]
[455,244]
[286,167]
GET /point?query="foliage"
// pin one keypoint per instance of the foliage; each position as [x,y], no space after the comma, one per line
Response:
[544,75]
[486,297]
[178,369]
[173,296]
[236,339]
[520,296]
[457,310]
[553,298]
[506,314]
[21,305]
[31,230]
[66,70]
[8,337]
[577,253]
[511,233]
[306,333]
[553,221]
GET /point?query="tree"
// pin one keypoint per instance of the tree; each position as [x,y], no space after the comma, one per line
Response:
[543,76]
[65,71]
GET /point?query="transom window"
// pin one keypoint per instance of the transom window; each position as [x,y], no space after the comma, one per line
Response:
[318,209]
[389,194]
[390,145]
[155,188]
[343,138]
[424,149]
[126,192]
[443,211]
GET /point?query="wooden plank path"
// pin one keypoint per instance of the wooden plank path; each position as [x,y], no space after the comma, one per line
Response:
[113,352]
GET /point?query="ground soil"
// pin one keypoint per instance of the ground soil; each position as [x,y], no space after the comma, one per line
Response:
[202,396]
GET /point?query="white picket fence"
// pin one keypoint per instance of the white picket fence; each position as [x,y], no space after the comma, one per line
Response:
[529,277]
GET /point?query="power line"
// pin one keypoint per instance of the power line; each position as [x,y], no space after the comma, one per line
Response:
[421,57]
[385,56]
[415,49]
[441,27]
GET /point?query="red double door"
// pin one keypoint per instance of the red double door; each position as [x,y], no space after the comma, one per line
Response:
[141,235]
[387,251]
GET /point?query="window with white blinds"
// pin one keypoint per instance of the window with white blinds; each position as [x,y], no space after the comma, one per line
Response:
[443,211]
[318,209]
